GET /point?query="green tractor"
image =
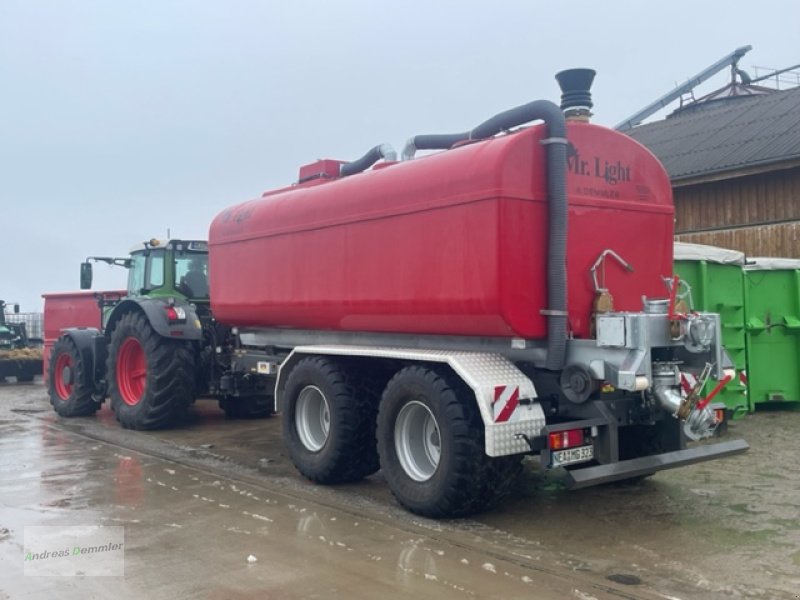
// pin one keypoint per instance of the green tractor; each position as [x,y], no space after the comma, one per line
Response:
[159,347]
[12,335]
[20,355]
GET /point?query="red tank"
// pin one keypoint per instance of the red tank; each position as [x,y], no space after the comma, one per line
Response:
[451,243]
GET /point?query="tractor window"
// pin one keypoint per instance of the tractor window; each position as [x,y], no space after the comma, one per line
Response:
[155,274]
[191,274]
[136,274]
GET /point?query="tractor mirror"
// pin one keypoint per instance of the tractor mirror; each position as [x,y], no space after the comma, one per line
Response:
[16,309]
[86,276]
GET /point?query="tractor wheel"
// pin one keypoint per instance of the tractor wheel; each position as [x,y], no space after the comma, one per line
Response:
[329,422]
[69,394]
[430,442]
[150,378]
[247,407]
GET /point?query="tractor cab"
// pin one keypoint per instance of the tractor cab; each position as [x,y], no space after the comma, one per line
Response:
[160,269]
[174,268]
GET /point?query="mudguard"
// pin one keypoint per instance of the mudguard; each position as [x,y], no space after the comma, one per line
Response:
[156,313]
[91,345]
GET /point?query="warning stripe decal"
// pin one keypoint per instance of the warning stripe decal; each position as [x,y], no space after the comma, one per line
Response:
[688,381]
[506,401]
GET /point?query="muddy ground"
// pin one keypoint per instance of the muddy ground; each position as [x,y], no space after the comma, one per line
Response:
[196,501]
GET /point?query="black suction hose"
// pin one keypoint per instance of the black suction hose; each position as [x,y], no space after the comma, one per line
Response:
[372,156]
[557,196]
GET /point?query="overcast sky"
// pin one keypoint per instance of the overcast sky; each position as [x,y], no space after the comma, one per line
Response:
[121,119]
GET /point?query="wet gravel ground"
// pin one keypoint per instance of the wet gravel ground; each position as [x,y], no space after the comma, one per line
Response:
[722,529]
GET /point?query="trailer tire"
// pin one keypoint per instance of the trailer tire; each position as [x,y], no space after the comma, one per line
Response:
[69,394]
[328,419]
[431,447]
[247,407]
[150,378]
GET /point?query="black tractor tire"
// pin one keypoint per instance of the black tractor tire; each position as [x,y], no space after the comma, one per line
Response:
[247,407]
[150,378]
[458,479]
[68,391]
[320,393]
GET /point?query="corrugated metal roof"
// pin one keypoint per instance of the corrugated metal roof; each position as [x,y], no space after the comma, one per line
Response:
[747,131]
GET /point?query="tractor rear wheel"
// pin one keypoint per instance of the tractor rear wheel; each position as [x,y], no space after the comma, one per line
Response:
[150,378]
[67,388]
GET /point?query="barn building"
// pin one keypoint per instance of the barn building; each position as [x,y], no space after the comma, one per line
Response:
[734,161]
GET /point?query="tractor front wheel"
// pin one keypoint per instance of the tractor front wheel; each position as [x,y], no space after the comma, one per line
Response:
[67,388]
[150,378]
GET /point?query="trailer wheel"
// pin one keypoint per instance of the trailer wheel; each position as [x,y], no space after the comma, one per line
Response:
[329,422]
[150,378]
[69,394]
[247,407]
[430,443]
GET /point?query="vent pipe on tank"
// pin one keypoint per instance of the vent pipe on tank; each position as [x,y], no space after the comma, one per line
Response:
[373,155]
[556,144]
[576,99]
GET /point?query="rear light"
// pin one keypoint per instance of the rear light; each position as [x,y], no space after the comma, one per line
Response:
[176,314]
[719,415]
[570,438]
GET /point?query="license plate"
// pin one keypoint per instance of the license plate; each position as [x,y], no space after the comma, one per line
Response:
[559,458]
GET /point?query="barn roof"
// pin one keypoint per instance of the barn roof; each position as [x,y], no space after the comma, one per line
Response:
[726,136]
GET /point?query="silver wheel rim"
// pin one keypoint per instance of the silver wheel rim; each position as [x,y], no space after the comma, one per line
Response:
[312,418]
[417,441]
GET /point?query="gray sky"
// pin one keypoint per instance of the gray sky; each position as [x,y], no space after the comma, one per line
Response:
[120,119]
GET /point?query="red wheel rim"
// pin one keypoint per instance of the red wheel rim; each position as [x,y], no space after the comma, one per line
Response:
[63,389]
[131,371]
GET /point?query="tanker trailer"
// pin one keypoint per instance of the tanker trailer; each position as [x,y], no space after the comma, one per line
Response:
[440,317]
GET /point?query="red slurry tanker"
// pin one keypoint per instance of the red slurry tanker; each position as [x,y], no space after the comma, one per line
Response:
[440,317]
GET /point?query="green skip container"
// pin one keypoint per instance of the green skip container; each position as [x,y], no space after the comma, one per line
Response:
[772,319]
[715,278]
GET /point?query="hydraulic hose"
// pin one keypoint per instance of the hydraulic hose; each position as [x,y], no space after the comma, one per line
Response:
[372,156]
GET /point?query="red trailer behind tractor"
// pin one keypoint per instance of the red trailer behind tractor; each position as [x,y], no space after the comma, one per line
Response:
[440,317]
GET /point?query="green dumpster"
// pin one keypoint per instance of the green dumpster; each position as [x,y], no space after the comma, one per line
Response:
[772,318]
[714,276]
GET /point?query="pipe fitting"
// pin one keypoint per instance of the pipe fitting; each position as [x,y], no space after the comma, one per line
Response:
[698,423]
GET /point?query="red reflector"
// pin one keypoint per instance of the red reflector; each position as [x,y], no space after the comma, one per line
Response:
[719,415]
[566,439]
[176,313]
